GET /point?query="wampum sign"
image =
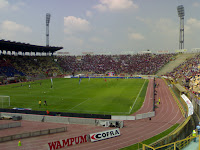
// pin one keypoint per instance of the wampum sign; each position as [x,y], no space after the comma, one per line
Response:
[104,135]
[67,142]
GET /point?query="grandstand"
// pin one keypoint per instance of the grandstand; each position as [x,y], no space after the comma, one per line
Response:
[143,64]
[23,68]
[139,64]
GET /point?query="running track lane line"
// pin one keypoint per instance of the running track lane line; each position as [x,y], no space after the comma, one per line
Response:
[146,107]
[166,112]
[157,128]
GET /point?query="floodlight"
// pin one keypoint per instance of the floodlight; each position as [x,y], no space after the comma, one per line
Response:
[48,16]
[180,10]
[181,14]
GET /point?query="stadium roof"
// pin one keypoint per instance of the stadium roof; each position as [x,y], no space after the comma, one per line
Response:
[26,47]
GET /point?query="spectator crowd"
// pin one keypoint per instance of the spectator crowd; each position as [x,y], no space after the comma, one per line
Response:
[187,73]
[144,64]
[187,69]
[27,66]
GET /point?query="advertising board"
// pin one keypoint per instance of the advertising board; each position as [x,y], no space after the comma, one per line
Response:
[67,142]
[189,104]
[104,135]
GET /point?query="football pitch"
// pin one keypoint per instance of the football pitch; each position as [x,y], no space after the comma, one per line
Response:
[91,96]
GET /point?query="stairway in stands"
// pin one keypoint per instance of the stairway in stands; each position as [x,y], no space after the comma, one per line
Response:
[180,58]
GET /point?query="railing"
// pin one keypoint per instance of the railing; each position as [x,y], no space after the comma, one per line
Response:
[176,134]
[176,99]
[32,134]
[172,146]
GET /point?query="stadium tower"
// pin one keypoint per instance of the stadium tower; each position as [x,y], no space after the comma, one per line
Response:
[181,15]
[48,15]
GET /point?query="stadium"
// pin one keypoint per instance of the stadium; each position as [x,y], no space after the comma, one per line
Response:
[50,99]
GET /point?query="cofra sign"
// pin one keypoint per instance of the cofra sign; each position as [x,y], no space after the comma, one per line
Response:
[67,142]
[104,135]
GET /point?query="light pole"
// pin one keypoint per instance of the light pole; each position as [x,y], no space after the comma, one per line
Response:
[48,15]
[181,15]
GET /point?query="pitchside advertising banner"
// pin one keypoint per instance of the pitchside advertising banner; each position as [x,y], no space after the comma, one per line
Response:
[189,104]
[83,139]
[67,142]
[104,135]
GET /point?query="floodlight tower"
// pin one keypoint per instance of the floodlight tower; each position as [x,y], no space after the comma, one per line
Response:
[181,15]
[48,15]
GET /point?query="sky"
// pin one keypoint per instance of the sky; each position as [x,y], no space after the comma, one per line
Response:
[101,26]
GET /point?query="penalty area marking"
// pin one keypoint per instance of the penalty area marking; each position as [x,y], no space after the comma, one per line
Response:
[79,104]
[137,97]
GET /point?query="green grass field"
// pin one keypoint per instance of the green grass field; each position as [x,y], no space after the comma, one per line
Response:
[93,96]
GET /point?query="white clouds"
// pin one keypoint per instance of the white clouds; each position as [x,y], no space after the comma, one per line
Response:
[74,25]
[96,40]
[89,13]
[17,6]
[115,5]
[5,5]
[165,31]
[166,27]
[11,30]
[162,26]
[136,36]
[100,7]
[74,41]
[196,4]
[144,20]
[192,25]
[193,22]
[11,26]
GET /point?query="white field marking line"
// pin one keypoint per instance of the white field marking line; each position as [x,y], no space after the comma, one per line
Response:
[79,104]
[148,89]
[49,96]
[98,111]
[35,105]
[145,131]
[137,97]
[129,137]
[68,98]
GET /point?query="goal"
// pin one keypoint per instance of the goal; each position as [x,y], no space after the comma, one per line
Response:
[4,101]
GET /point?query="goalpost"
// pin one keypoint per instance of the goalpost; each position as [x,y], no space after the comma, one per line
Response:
[5,101]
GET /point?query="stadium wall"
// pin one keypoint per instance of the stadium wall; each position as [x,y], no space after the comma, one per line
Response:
[10,125]
[56,113]
[32,134]
[56,119]
[137,117]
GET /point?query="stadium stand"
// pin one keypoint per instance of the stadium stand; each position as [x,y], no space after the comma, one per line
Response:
[7,69]
[141,64]
[187,68]
[175,62]
[133,64]
[28,65]
[36,65]
[186,71]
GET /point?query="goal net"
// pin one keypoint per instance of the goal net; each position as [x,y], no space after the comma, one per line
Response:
[4,101]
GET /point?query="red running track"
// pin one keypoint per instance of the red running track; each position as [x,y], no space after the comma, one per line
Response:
[167,114]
